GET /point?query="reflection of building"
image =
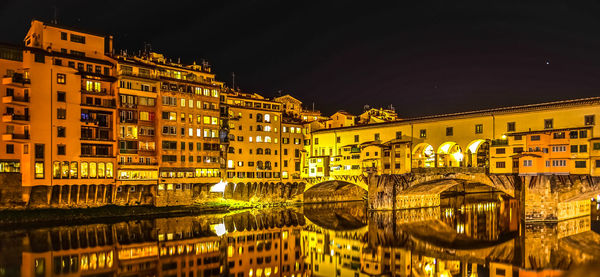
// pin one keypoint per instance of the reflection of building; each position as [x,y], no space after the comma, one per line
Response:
[268,252]
[333,253]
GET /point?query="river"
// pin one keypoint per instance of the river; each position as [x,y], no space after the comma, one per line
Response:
[468,235]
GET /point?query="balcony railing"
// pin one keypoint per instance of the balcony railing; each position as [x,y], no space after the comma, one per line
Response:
[14,117]
[9,137]
[16,78]
[102,91]
[24,100]
[128,151]
[146,76]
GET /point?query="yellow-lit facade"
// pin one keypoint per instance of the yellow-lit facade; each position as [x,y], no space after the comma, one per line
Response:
[549,138]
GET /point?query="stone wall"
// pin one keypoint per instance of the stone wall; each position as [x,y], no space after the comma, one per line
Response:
[11,192]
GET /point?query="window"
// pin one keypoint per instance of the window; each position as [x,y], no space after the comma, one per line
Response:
[63,36]
[449,131]
[61,96]
[583,134]
[559,163]
[39,151]
[500,164]
[377,136]
[39,170]
[589,120]
[583,148]
[527,163]
[356,138]
[61,78]
[10,148]
[596,145]
[61,113]
[77,38]
[535,138]
[61,149]
[316,141]
[580,164]
[573,148]
[500,150]
[510,127]
[558,135]
[478,128]
[548,123]
[337,140]
[398,135]
[423,133]
[573,135]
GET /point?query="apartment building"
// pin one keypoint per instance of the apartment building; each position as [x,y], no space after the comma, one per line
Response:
[59,113]
[254,148]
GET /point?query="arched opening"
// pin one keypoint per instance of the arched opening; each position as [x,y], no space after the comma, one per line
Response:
[450,155]
[477,153]
[423,156]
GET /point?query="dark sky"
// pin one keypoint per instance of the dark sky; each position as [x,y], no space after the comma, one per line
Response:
[424,57]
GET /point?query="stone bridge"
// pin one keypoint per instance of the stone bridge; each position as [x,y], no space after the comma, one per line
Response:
[543,197]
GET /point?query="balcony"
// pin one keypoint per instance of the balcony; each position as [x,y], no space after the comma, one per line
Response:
[97,138]
[15,137]
[101,92]
[15,118]
[128,151]
[15,100]
[17,79]
[105,103]
[145,76]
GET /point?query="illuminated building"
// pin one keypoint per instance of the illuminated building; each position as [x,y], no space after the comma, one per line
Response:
[340,119]
[373,115]
[62,141]
[465,140]
[254,138]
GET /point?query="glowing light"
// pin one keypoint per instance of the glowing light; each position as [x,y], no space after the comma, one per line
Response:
[503,136]
[218,187]
[219,229]
[458,156]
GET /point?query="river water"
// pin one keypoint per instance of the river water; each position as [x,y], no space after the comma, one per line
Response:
[472,235]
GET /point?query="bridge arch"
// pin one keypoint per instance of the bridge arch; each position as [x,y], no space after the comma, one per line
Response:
[477,153]
[449,155]
[334,191]
[423,155]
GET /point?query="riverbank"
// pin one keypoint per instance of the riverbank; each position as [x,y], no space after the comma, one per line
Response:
[113,213]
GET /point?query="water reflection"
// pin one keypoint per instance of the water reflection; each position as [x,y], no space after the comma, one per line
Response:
[473,235]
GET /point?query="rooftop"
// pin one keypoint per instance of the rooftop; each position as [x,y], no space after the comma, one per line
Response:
[502,110]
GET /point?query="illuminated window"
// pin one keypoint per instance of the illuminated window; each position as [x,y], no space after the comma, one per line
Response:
[64,170]
[207,120]
[39,170]
[61,78]
[73,170]
[84,170]
[56,170]
[93,170]
[214,120]
[101,170]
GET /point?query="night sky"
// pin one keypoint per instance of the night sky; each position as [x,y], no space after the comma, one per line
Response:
[423,57]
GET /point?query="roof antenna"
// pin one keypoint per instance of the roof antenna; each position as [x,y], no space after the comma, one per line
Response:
[55,20]
[233,80]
